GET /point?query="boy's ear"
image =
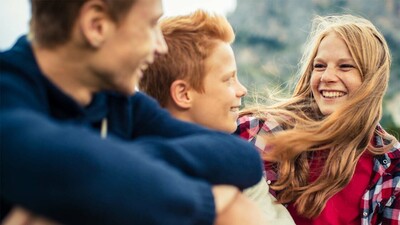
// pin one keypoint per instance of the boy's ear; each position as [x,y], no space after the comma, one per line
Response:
[95,23]
[180,94]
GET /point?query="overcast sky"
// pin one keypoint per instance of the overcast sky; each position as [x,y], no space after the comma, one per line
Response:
[14,14]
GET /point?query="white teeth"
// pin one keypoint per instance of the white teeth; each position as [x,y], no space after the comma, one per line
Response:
[332,94]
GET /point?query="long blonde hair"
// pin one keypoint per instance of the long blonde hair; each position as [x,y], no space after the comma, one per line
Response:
[346,133]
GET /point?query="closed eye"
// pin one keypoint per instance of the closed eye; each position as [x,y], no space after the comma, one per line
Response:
[231,80]
[319,67]
[346,67]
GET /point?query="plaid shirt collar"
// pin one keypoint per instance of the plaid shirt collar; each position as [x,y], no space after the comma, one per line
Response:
[379,205]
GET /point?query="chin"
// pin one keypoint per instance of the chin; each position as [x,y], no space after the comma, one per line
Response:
[127,91]
[227,128]
[133,92]
[232,128]
[326,112]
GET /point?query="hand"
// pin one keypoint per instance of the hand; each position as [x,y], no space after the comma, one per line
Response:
[20,216]
[233,208]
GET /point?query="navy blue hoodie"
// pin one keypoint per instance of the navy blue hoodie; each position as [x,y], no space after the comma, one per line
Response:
[151,169]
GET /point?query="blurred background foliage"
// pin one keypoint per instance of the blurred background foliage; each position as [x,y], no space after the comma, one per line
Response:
[270,35]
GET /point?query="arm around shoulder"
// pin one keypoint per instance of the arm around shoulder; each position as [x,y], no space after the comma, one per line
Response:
[75,177]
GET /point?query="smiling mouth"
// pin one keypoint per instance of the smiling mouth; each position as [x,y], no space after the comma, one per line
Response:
[332,94]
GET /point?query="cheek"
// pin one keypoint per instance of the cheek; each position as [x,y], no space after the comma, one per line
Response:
[219,103]
[141,40]
[150,40]
[229,96]
[144,46]
[314,81]
[355,83]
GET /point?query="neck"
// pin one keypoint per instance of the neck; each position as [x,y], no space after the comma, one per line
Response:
[67,68]
[180,113]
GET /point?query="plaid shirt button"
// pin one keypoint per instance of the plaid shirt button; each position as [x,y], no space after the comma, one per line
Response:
[365,214]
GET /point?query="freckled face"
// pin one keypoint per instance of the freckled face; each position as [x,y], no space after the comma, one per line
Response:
[218,106]
[334,77]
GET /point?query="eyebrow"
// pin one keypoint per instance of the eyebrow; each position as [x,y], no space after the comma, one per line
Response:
[340,60]
[233,72]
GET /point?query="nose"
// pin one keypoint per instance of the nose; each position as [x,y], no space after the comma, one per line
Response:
[161,44]
[240,89]
[329,75]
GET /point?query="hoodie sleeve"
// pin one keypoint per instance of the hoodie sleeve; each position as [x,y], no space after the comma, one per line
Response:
[72,176]
[218,157]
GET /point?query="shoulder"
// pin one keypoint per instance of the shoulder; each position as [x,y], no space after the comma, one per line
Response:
[253,129]
[144,100]
[394,152]
[393,160]
[138,103]
[388,164]
[21,83]
[383,139]
[249,126]
[146,111]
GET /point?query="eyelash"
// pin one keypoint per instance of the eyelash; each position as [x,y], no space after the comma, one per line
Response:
[342,66]
[346,66]
[230,79]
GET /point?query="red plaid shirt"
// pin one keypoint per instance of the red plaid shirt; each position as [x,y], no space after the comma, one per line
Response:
[379,205]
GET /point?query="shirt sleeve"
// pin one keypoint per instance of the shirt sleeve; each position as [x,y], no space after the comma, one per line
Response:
[274,212]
